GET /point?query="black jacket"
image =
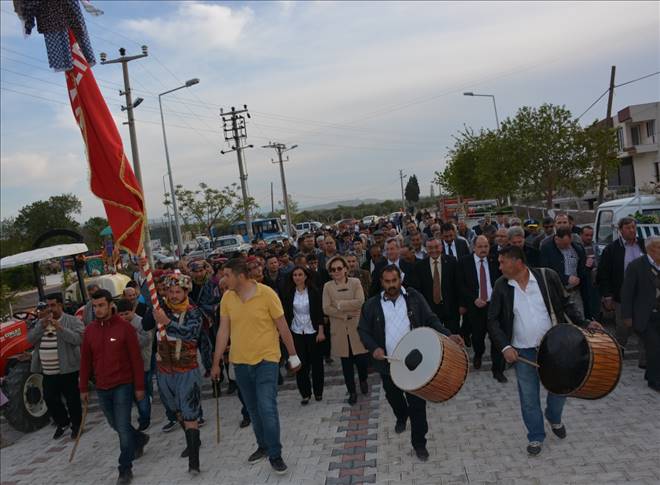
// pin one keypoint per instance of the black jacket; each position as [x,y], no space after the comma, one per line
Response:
[610,269]
[315,305]
[462,248]
[448,310]
[372,323]
[552,257]
[468,279]
[638,298]
[409,276]
[500,311]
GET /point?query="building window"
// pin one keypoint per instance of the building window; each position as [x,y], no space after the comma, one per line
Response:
[619,137]
[635,134]
[657,171]
[650,130]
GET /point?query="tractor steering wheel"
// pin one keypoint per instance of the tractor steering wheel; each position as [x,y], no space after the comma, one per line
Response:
[26,315]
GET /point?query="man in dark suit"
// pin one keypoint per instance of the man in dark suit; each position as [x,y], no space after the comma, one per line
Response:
[568,260]
[393,249]
[476,277]
[524,305]
[611,268]
[438,282]
[452,245]
[640,306]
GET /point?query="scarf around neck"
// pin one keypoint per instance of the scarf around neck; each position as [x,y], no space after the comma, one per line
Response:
[178,308]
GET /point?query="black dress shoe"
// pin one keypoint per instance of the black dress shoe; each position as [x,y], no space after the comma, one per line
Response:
[422,453]
[559,430]
[245,423]
[477,362]
[74,433]
[125,477]
[305,401]
[500,377]
[534,448]
[352,398]
[318,398]
[364,387]
[400,426]
[59,432]
[468,341]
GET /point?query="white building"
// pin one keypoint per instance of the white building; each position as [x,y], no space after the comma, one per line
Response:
[637,133]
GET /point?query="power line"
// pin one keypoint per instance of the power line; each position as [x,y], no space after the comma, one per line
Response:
[638,79]
[593,104]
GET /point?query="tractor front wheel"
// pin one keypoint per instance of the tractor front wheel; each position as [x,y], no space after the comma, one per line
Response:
[26,410]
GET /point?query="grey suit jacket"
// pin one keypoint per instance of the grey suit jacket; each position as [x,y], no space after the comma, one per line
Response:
[638,298]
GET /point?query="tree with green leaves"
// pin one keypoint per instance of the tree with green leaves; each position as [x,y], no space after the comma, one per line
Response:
[411,191]
[91,231]
[206,207]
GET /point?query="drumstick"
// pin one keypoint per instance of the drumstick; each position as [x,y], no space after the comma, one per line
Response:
[392,359]
[217,411]
[528,362]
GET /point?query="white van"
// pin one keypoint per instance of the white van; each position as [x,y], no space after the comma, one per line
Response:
[609,213]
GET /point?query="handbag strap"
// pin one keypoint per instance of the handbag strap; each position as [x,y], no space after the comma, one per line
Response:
[547,292]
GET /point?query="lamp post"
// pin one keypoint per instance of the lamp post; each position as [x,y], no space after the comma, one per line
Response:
[169,218]
[175,208]
[497,119]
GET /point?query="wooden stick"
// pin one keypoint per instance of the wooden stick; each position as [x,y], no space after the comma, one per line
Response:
[80,430]
[392,359]
[217,411]
[528,362]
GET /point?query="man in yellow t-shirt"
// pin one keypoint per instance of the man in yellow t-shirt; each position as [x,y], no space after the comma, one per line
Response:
[251,315]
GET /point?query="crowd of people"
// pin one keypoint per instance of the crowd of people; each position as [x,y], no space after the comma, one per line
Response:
[350,293]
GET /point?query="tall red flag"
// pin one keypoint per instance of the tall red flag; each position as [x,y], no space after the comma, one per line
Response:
[111,176]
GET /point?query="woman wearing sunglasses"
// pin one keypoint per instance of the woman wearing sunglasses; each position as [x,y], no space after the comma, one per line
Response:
[342,302]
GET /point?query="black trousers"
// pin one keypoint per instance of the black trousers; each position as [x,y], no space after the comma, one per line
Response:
[478,318]
[651,338]
[448,315]
[311,357]
[63,386]
[407,405]
[361,361]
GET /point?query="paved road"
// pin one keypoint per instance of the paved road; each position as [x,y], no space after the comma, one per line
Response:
[477,437]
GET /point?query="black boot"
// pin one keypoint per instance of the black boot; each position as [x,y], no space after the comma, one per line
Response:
[186,451]
[193,441]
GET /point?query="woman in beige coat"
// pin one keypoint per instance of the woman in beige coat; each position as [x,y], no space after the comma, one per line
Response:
[342,302]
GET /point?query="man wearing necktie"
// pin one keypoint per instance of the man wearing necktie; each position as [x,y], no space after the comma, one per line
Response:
[437,281]
[453,246]
[477,276]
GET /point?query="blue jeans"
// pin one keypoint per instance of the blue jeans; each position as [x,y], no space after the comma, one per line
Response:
[258,386]
[530,399]
[144,406]
[116,404]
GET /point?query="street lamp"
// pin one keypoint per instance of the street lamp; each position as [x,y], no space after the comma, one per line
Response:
[497,119]
[175,208]
[169,218]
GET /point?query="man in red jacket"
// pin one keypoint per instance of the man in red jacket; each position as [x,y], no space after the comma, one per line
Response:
[111,352]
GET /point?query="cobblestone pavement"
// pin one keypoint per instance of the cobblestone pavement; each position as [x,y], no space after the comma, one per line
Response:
[476,437]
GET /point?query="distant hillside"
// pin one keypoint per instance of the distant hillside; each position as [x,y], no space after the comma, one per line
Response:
[343,203]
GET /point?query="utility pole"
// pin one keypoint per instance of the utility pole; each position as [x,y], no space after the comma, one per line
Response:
[403,197]
[236,133]
[272,199]
[609,124]
[130,104]
[281,148]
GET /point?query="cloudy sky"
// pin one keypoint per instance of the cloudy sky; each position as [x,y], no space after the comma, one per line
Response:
[364,89]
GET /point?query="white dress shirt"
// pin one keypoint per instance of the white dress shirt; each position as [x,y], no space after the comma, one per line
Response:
[530,315]
[397,323]
[477,264]
[453,248]
[302,320]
